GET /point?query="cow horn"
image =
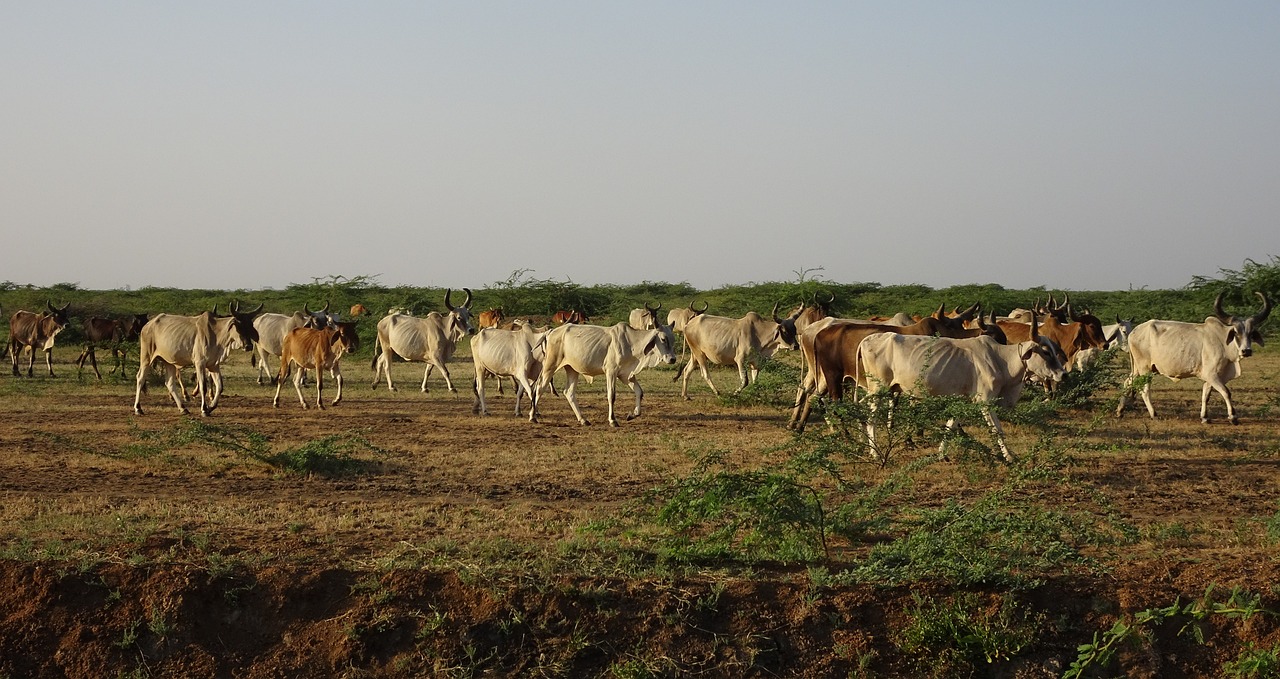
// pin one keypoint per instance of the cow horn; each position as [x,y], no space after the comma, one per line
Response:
[326,307]
[1035,333]
[705,305]
[1066,301]
[942,311]
[215,310]
[447,293]
[466,304]
[775,313]
[306,308]
[1266,309]
[653,310]
[240,312]
[970,312]
[1217,308]
[49,305]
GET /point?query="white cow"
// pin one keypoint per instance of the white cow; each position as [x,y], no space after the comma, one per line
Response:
[202,342]
[617,352]
[678,317]
[1118,333]
[644,319]
[742,342]
[272,329]
[516,354]
[1210,351]
[980,367]
[431,338]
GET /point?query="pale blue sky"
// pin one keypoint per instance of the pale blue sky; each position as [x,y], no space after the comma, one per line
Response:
[1080,145]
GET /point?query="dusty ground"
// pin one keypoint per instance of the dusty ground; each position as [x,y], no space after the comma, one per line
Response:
[191,560]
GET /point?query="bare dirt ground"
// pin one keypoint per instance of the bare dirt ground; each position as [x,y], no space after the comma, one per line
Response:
[196,560]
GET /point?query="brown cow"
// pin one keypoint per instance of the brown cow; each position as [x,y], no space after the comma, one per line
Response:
[573,316]
[319,349]
[112,332]
[1083,332]
[31,330]
[358,310]
[491,318]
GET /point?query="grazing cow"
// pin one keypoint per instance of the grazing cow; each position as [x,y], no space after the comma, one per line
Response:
[1211,351]
[617,352]
[980,368]
[574,316]
[273,328]
[743,342]
[110,332]
[202,341]
[491,318]
[28,330]
[431,338]
[358,310]
[829,350]
[509,353]
[319,349]
[644,319]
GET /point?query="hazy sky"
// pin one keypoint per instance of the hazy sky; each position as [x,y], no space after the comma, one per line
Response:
[1080,145]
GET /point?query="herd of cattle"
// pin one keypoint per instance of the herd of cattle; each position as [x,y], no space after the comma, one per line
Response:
[962,353]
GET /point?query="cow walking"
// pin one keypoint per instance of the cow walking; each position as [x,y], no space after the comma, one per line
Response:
[617,352]
[1210,351]
[431,339]
[201,342]
[516,354]
[110,332]
[320,349]
[28,330]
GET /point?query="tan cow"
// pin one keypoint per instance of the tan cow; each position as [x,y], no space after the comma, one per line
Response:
[29,331]
[516,354]
[202,341]
[741,342]
[980,368]
[617,352]
[431,339]
[319,349]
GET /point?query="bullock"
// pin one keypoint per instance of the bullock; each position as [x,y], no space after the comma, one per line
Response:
[1210,351]
[272,329]
[509,353]
[431,339]
[617,352]
[491,318]
[644,319]
[28,330]
[111,332]
[678,317]
[742,342]
[980,368]
[568,316]
[320,349]
[358,310]
[202,341]
[833,357]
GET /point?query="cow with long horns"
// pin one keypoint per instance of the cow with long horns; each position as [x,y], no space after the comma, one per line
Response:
[203,342]
[1210,351]
[431,339]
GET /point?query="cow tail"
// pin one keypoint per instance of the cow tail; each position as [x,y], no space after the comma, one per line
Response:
[857,373]
[377,351]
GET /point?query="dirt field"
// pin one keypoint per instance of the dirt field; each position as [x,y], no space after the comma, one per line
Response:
[127,556]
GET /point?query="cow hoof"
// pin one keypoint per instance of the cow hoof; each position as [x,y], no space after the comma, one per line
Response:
[1235,420]
[137,411]
[632,416]
[614,423]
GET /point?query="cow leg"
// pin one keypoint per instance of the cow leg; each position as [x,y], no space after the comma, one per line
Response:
[216,377]
[261,354]
[425,374]
[1226,397]
[48,359]
[337,377]
[1146,399]
[319,387]
[142,385]
[297,386]
[172,381]
[571,394]
[639,392]
[13,353]
[611,393]
[117,361]
[803,393]
[478,406]
[31,362]
[275,402]
[998,432]
[448,381]
[93,361]
[383,364]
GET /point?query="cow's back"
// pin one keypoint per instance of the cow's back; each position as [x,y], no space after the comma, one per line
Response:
[581,347]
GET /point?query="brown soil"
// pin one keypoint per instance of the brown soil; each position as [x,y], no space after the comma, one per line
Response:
[201,562]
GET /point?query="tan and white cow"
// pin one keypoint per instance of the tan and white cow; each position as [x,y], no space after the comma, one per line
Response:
[617,352]
[516,354]
[29,331]
[431,339]
[201,342]
[741,342]
[980,368]
[1210,351]
[644,319]
[319,349]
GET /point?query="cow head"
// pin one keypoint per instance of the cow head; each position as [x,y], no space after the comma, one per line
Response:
[133,326]
[1042,356]
[787,327]
[319,318]
[345,333]
[460,316]
[679,317]
[242,328]
[1244,331]
[59,315]
[651,313]
[991,329]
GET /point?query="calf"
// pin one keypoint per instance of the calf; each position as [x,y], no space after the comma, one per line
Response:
[319,349]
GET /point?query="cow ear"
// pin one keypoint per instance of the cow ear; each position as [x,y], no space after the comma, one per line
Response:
[1256,337]
[653,342]
[1034,349]
[1231,335]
